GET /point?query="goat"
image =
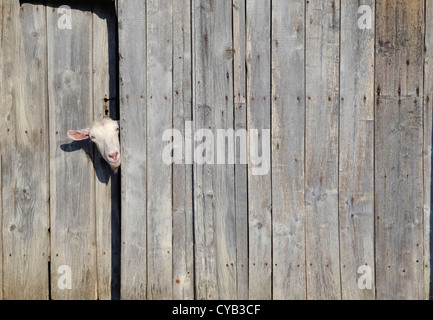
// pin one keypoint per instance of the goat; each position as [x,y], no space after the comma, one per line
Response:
[105,134]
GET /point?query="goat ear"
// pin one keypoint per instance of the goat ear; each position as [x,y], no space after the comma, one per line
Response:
[78,135]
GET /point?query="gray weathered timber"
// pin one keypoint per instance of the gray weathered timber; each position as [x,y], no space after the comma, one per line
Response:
[288,118]
[240,123]
[133,97]
[348,193]
[258,60]
[214,184]
[106,184]
[159,174]
[72,178]
[2,143]
[399,150]
[25,178]
[183,232]
[356,155]
[428,119]
[321,152]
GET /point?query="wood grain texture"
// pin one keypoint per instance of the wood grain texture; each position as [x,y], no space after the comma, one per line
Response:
[183,232]
[428,120]
[258,61]
[399,150]
[214,184]
[159,174]
[2,143]
[72,178]
[132,69]
[356,154]
[25,175]
[321,153]
[288,120]
[241,169]
[105,75]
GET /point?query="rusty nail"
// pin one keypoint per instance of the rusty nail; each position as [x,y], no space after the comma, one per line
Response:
[177,281]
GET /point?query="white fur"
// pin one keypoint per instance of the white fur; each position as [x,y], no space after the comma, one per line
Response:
[105,134]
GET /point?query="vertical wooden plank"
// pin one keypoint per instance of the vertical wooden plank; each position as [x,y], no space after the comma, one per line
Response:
[321,153]
[159,174]
[399,149]
[72,199]
[106,184]
[356,175]
[288,118]
[183,232]
[25,179]
[132,69]
[258,53]
[428,119]
[214,183]
[241,173]
[2,143]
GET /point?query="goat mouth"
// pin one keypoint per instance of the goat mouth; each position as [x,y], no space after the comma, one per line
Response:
[114,163]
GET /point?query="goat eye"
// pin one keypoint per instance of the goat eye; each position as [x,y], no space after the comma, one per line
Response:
[117,129]
[92,137]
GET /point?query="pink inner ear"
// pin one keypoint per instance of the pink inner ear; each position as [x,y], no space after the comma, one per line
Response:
[78,135]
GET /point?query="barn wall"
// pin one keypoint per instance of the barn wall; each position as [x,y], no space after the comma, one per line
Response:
[344,109]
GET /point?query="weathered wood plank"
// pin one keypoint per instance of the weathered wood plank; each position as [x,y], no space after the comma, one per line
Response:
[288,118]
[25,178]
[399,149]
[183,232]
[258,60]
[132,69]
[214,184]
[428,120]
[72,184]
[105,77]
[159,174]
[2,139]
[321,153]
[241,169]
[356,166]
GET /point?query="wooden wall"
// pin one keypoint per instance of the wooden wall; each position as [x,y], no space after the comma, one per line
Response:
[348,110]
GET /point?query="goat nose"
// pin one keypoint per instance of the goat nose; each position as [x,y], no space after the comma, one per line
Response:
[113,155]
